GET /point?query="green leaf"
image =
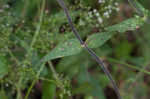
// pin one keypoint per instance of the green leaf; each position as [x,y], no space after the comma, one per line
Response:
[3,67]
[98,39]
[129,24]
[70,47]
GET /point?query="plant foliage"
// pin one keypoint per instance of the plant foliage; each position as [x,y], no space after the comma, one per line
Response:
[39,52]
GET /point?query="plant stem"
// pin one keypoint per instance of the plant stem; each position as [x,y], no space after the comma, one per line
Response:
[37,28]
[53,70]
[13,56]
[30,50]
[49,80]
[18,88]
[128,65]
[34,81]
[20,80]
[58,81]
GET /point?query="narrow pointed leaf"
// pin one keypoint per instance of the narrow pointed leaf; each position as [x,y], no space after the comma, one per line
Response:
[70,47]
[129,24]
[97,40]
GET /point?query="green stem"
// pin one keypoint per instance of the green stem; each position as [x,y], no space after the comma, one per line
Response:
[20,80]
[53,70]
[37,28]
[34,81]
[49,80]
[13,56]
[58,81]
[128,65]
[18,89]
[31,47]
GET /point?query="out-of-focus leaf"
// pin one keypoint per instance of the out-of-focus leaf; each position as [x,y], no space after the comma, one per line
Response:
[83,88]
[89,97]
[3,67]
[139,8]
[26,8]
[48,90]
[60,18]
[3,95]
[96,90]
[104,81]
[89,2]
[70,47]
[123,49]
[71,65]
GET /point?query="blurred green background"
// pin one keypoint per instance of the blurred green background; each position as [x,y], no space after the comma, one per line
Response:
[33,29]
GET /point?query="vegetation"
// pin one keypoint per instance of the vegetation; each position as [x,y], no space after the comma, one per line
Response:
[40,57]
